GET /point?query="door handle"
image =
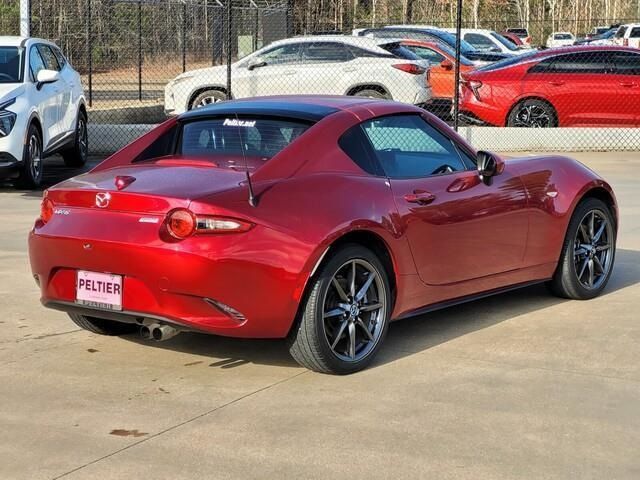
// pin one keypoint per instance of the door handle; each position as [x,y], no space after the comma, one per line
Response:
[420,197]
[556,83]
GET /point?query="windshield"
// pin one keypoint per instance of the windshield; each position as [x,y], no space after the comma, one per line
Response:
[562,36]
[255,137]
[10,65]
[505,42]
[507,62]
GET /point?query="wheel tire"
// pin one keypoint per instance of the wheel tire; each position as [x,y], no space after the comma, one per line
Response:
[32,162]
[566,282]
[208,97]
[77,155]
[101,326]
[309,344]
[371,93]
[544,109]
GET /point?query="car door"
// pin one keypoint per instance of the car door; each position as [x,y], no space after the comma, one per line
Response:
[328,67]
[458,227]
[627,76]
[44,97]
[272,72]
[63,96]
[579,86]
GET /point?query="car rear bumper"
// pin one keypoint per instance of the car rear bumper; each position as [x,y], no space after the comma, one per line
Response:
[190,288]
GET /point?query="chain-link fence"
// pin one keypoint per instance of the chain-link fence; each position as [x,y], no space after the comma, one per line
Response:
[143,60]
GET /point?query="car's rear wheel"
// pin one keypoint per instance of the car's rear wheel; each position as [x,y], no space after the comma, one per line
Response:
[207,97]
[588,252]
[371,93]
[31,171]
[533,113]
[77,155]
[345,315]
[101,326]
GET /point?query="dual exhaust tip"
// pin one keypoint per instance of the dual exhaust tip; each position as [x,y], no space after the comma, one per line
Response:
[157,332]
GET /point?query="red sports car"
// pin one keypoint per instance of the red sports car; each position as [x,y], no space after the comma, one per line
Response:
[559,87]
[319,219]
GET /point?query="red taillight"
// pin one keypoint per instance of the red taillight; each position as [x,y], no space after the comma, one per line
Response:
[181,223]
[411,68]
[475,85]
[46,210]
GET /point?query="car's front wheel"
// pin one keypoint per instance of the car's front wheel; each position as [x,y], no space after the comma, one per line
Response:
[345,315]
[101,326]
[31,171]
[207,97]
[588,252]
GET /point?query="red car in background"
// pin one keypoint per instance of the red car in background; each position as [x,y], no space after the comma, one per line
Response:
[561,87]
[318,219]
[442,73]
[513,38]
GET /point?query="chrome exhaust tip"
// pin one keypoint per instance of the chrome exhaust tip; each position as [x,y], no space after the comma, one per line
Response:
[160,333]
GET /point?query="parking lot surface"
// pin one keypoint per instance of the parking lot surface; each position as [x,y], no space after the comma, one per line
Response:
[520,385]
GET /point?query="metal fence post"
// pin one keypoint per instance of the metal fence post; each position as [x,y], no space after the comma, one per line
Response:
[89,53]
[25,18]
[139,50]
[456,93]
[184,37]
[229,17]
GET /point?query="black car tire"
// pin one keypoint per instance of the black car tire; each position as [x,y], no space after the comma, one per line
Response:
[30,175]
[566,279]
[77,155]
[545,114]
[102,326]
[308,341]
[371,93]
[214,95]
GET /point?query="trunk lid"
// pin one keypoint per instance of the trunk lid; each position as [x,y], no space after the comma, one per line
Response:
[150,187]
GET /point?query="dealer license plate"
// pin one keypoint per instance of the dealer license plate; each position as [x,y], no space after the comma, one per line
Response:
[99,290]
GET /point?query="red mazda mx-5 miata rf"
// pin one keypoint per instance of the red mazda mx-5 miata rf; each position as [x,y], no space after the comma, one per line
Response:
[318,219]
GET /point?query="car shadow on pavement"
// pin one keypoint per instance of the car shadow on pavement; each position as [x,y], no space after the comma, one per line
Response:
[406,337]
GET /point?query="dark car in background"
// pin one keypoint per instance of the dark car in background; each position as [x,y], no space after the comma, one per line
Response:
[432,34]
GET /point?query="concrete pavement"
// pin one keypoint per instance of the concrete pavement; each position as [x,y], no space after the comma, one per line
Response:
[521,385]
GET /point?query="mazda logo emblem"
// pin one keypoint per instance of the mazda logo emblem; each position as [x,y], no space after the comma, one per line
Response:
[103,199]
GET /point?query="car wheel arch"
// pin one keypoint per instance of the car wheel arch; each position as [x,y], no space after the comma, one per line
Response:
[35,120]
[366,238]
[352,90]
[531,97]
[194,94]
[600,192]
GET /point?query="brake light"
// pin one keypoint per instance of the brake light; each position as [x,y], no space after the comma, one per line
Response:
[411,68]
[46,210]
[475,85]
[182,223]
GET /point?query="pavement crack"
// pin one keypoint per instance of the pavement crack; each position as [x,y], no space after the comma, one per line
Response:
[178,425]
[40,337]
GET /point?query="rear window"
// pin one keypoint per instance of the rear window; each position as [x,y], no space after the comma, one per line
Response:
[507,43]
[620,32]
[399,51]
[256,137]
[507,62]
[521,32]
[562,36]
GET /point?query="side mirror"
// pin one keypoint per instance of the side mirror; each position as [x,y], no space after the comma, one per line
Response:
[47,76]
[447,64]
[489,165]
[257,63]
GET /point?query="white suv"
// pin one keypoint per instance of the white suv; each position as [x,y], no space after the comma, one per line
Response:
[327,64]
[628,35]
[42,109]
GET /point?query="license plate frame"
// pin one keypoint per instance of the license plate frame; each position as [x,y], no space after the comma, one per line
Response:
[99,290]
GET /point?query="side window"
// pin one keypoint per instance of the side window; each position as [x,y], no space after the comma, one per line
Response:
[586,62]
[282,55]
[406,146]
[36,63]
[479,41]
[326,52]
[626,63]
[50,60]
[60,57]
[426,53]
[635,32]
[620,32]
